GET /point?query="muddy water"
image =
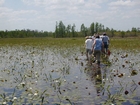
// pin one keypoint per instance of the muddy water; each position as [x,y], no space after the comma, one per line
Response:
[53,76]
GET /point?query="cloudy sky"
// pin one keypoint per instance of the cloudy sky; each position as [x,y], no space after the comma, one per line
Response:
[43,14]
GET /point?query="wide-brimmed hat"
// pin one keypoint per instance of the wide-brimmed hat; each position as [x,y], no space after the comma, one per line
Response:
[87,37]
[90,37]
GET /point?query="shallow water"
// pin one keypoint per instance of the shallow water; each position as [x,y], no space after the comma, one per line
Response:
[53,76]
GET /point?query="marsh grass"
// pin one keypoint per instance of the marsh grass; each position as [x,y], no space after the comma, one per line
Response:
[115,43]
[125,43]
[62,42]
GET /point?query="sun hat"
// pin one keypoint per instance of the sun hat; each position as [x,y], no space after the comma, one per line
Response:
[87,37]
[90,37]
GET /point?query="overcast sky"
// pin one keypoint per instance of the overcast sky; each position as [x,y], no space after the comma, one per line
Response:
[43,14]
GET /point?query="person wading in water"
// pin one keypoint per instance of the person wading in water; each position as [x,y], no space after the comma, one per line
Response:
[97,49]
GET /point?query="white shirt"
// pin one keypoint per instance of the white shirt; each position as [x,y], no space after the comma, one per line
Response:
[89,43]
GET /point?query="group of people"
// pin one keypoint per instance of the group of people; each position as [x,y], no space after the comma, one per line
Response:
[96,45]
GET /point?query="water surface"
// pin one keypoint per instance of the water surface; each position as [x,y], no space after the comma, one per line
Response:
[55,75]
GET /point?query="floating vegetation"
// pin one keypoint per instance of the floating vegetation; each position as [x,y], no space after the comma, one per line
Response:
[134,72]
[42,71]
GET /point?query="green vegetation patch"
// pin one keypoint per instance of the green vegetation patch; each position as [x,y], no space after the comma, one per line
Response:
[115,43]
[125,43]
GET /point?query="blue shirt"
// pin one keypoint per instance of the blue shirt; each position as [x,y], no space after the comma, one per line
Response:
[98,44]
[105,39]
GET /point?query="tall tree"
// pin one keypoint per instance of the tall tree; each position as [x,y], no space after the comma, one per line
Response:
[92,28]
[96,27]
[100,28]
[68,30]
[73,30]
[84,30]
[56,30]
[61,29]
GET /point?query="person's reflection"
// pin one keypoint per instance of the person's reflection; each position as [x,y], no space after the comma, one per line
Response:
[96,77]
[98,80]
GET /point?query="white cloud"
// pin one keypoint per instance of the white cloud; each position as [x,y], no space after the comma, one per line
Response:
[45,13]
[121,3]
[125,3]
[132,14]
[4,12]
[125,8]
[2,2]
[9,13]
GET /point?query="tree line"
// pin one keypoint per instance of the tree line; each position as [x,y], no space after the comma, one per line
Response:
[62,31]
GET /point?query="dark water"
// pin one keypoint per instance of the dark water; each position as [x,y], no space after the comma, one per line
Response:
[52,76]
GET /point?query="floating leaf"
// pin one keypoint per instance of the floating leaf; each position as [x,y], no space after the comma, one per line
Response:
[120,75]
[123,66]
[134,72]
[126,92]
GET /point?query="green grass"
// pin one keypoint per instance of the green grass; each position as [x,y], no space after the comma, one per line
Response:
[125,43]
[115,43]
[42,41]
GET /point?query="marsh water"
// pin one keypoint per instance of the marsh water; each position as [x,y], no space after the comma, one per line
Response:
[34,75]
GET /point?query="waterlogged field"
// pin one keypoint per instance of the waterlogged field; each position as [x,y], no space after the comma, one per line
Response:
[55,72]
